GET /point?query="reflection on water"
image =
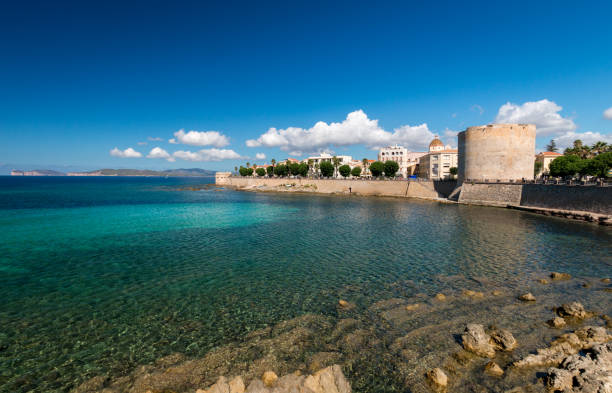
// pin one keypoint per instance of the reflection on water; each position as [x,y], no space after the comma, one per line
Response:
[99,276]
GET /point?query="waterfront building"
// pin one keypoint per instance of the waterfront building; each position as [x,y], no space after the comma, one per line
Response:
[545,158]
[503,152]
[406,159]
[436,164]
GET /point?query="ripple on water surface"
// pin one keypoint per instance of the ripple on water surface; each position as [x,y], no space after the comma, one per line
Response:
[143,270]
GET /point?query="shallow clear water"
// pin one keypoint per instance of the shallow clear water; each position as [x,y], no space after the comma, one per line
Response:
[99,275]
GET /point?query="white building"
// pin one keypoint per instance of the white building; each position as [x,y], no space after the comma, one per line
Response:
[436,164]
[407,160]
[317,160]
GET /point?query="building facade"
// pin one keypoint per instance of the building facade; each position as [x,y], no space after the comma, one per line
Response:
[545,158]
[407,160]
[436,164]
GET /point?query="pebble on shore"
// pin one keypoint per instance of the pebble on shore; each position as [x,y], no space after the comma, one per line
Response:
[560,276]
[441,297]
[493,369]
[269,378]
[437,378]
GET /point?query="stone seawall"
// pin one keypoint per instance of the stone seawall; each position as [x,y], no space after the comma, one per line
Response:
[561,197]
[415,189]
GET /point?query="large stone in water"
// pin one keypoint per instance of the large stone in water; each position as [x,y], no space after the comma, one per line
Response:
[475,340]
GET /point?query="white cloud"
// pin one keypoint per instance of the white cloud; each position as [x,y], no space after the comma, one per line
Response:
[200,138]
[155,139]
[158,152]
[477,108]
[207,155]
[608,113]
[588,138]
[260,156]
[544,114]
[356,129]
[127,153]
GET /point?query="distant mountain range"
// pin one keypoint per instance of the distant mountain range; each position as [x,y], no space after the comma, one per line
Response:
[190,172]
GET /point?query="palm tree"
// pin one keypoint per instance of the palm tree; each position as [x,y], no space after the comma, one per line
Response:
[310,164]
[248,164]
[365,166]
[599,147]
[235,169]
[273,161]
[336,162]
[316,169]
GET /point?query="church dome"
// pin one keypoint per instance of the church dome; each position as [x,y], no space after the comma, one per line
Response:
[436,144]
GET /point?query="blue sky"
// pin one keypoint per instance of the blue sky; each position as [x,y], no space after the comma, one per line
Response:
[79,79]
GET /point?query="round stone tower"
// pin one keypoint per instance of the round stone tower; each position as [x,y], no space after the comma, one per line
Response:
[497,152]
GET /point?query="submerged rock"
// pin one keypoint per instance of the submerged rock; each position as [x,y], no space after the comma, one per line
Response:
[412,307]
[503,340]
[343,303]
[475,340]
[437,378]
[236,385]
[528,297]
[560,276]
[473,294]
[493,369]
[574,309]
[441,297]
[543,281]
[269,378]
[556,322]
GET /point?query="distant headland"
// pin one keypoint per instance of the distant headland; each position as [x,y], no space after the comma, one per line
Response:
[191,172]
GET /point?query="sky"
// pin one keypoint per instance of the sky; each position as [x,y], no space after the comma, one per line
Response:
[160,84]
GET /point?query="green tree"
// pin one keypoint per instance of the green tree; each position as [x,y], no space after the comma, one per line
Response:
[599,148]
[345,170]
[260,172]
[391,168]
[294,168]
[599,165]
[310,165]
[270,170]
[578,149]
[565,166]
[552,146]
[273,162]
[303,171]
[249,171]
[281,170]
[356,172]
[248,164]
[235,169]
[327,169]
[243,171]
[453,171]
[377,168]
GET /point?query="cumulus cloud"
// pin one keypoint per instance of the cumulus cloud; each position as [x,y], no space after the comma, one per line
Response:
[127,153]
[544,114]
[200,138]
[207,155]
[158,152]
[588,138]
[260,156]
[608,113]
[356,129]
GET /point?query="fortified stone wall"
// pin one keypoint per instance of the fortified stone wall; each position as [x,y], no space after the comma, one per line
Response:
[582,198]
[563,197]
[497,152]
[491,194]
[420,189]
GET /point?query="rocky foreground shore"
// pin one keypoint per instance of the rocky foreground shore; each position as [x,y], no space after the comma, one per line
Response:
[551,336]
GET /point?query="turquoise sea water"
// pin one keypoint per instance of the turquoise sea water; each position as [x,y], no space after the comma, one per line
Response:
[99,275]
